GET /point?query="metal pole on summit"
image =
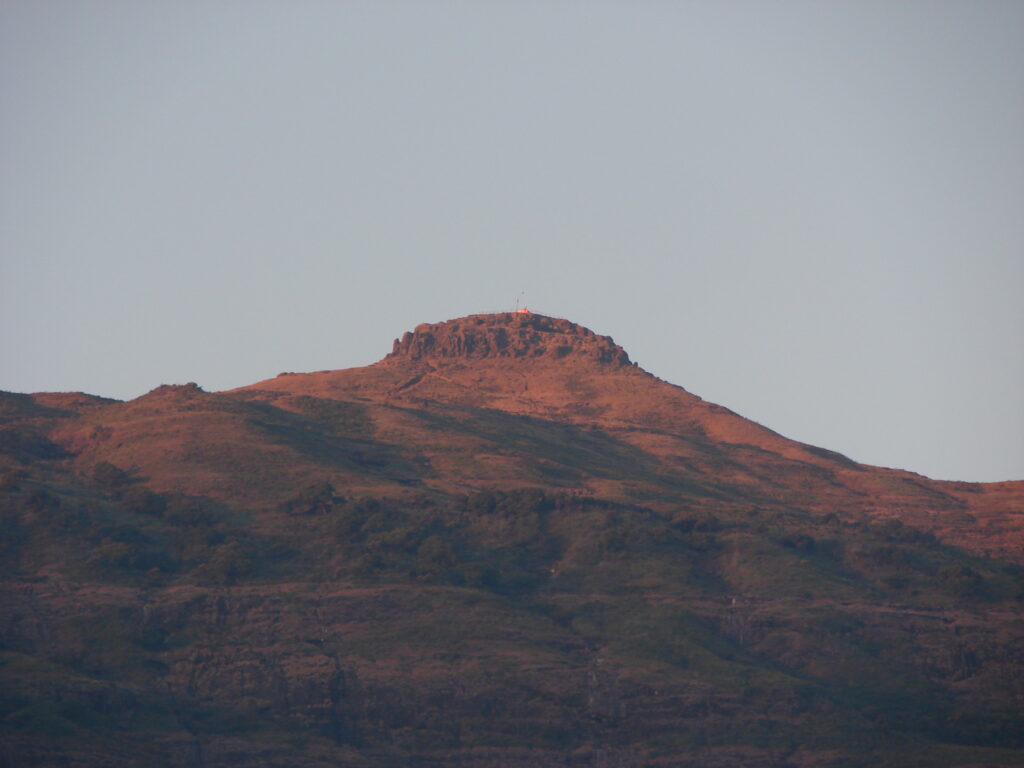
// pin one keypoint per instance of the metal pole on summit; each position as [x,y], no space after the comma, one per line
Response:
[521,293]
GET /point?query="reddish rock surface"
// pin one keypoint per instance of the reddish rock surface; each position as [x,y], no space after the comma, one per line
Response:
[510,335]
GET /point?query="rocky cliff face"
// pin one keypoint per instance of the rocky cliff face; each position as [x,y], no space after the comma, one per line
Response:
[508,335]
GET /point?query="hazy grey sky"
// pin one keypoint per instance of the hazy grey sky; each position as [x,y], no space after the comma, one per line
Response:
[810,212]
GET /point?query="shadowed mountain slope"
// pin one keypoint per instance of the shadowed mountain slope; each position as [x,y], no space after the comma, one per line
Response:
[502,544]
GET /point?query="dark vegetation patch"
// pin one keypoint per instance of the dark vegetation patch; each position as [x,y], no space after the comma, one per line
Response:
[341,417]
[527,619]
[564,452]
[26,444]
[129,534]
[15,406]
[331,433]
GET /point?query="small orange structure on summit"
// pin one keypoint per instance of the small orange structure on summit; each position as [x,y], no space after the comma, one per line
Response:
[523,311]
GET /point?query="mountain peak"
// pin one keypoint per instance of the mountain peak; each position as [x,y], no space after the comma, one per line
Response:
[507,335]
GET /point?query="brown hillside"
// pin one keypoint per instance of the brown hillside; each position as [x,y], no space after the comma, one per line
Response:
[506,399]
[502,545]
[554,370]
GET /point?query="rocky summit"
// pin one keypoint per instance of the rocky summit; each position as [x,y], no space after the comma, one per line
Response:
[507,335]
[501,545]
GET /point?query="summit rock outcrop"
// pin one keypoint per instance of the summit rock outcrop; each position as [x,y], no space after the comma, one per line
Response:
[507,335]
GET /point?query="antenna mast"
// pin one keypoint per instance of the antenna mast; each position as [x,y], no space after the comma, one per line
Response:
[521,293]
